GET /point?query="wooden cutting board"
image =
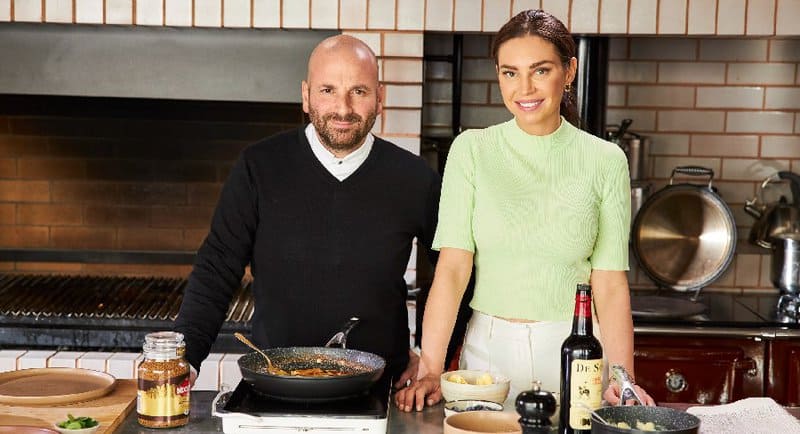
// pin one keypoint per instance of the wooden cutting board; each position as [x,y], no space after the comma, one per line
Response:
[110,410]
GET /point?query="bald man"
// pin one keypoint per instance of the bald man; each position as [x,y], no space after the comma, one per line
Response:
[325,216]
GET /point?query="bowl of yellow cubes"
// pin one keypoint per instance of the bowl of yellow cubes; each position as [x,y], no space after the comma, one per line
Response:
[474,385]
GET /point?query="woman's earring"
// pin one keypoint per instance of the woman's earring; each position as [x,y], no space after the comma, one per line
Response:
[568,88]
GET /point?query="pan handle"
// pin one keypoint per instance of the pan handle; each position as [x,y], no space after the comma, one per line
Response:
[340,338]
[693,171]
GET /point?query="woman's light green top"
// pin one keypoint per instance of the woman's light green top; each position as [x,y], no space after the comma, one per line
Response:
[539,213]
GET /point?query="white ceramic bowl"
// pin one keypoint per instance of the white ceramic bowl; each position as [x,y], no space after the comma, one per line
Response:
[454,407]
[480,422]
[76,431]
[495,392]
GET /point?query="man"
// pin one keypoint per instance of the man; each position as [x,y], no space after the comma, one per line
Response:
[325,216]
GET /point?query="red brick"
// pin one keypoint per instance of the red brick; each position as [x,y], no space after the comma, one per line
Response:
[193,238]
[83,238]
[98,215]
[81,147]
[153,193]
[181,217]
[50,267]
[178,271]
[3,125]
[150,239]
[8,168]
[7,266]
[7,213]
[85,191]
[24,191]
[40,168]
[41,214]
[204,193]
[23,146]
[24,236]
[185,171]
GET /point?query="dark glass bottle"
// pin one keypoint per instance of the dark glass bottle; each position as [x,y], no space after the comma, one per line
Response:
[581,369]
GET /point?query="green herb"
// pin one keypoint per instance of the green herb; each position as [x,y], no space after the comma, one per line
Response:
[78,422]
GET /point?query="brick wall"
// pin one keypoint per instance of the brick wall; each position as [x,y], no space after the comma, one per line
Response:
[128,174]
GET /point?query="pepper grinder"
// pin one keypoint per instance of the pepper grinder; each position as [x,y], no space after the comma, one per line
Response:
[536,407]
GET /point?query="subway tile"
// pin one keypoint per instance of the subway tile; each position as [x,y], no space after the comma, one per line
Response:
[643,120]
[7,214]
[760,122]
[559,9]
[381,14]
[266,13]
[663,48]
[178,13]
[662,166]
[632,72]
[377,127]
[745,267]
[401,121]
[124,365]
[784,50]
[615,95]
[150,12]
[780,146]
[479,69]
[25,236]
[24,191]
[47,214]
[614,17]
[618,48]
[475,93]
[524,5]
[95,360]
[585,16]
[669,144]
[660,96]
[730,97]
[730,17]
[761,73]
[783,98]
[57,11]
[5,15]
[766,270]
[438,44]
[439,15]
[410,144]
[691,121]
[34,359]
[402,70]
[403,95]
[725,145]
[672,17]
[702,17]
[296,14]
[402,44]
[694,72]
[324,14]
[437,115]
[65,359]
[786,23]
[760,17]
[495,14]
[748,50]
[207,13]
[467,16]
[751,169]
[236,13]
[797,123]
[373,40]
[410,14]
[229,373]
[643,17]
[208,377]
[481,116]
[433,70]
[28,11]
[736,192]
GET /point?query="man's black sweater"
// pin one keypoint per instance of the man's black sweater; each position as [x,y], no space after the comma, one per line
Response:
[321,250]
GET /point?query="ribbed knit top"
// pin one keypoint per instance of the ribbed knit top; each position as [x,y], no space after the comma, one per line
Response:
[539,212]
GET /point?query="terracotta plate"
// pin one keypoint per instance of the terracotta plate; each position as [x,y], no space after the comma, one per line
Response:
[53,385]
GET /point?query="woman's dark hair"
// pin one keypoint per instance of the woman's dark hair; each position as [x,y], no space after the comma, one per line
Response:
[540,23]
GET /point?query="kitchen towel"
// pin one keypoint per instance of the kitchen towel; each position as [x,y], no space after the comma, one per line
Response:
[751,415]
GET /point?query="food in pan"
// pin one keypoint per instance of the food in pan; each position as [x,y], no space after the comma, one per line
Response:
[308,372]
[641,426]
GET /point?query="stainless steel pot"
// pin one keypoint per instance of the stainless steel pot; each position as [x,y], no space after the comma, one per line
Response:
[776,218]
[785,273]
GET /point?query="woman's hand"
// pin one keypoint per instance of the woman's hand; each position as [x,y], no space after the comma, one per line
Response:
[425,390]
[611,395]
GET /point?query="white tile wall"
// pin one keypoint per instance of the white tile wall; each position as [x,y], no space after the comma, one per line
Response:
[786,22]
[672,17]
[760,73]
[65,359]
[30,11]
[691,120]
[669,144]
[636,72]
[5,10]
[524,5]
[8,359]
[402,44]
[727,145]
[495,14]
[178,12]
[403,95]
[324,14]
[780,146]
[402,70]
[236,13]
[439,15]
[695,72]
[730,97]
[229,373]
[381,14]
[611,18]
[207,13]
[760,17]
[471,92]
[58,11]
[483,115]
[660,96]
[353,14]
[559,9]
[150,12]
[644,120]
[97,361]
[123,365]
[730,17]
[373,40]
[663,49]
[784,50]
[752,170]
[296,14]
[398,121]
[585,14]
[34,359]
[760,122]
[465,18]
[208,379]
[479,69]
[783,98]
[266,13]
[752,50]
[411,144]
[410,14]
[702,17]
[119,11]
[616,95]
[642,17]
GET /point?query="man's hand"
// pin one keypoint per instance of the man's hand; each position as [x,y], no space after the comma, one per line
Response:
[611,395]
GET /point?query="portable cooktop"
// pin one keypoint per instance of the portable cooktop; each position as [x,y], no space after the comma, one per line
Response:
[244,411]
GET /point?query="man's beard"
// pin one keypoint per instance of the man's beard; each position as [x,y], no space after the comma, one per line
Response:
[338,140]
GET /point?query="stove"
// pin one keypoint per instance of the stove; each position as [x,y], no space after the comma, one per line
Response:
[788,308]
[244,411]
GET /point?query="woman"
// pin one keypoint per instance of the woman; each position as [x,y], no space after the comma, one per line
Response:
[538,206]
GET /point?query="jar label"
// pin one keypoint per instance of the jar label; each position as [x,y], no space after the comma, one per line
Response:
[586,386]
[163,400]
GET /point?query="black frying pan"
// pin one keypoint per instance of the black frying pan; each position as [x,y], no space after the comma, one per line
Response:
[363,369]
[670,421]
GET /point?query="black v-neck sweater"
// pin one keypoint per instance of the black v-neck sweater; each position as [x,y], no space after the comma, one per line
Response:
[321,250]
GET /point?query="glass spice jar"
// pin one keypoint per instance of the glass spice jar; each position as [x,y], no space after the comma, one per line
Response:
[163,378]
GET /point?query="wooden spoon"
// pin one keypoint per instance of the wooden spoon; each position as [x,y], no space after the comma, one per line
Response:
[272,369]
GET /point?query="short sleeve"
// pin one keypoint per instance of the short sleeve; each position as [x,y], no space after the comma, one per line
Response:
[611,246]
[457,202]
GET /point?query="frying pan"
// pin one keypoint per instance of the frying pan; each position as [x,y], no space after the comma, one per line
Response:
[672,421]
[363,369]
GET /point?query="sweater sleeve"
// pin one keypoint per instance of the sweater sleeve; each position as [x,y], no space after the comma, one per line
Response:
[611,246]
[456,205]
[219,264]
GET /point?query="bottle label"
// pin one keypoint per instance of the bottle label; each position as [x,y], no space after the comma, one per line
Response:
[586,386]
[163,399]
